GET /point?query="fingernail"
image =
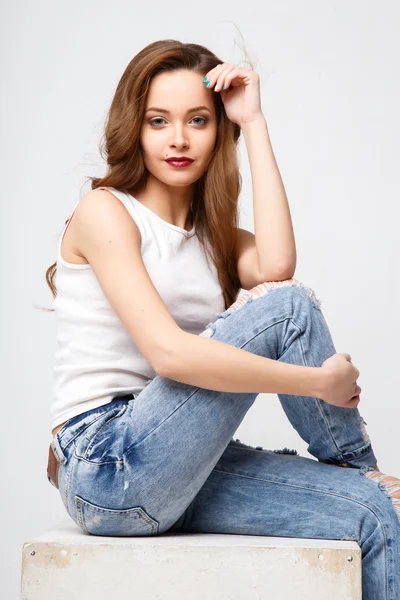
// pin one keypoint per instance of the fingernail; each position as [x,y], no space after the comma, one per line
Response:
[208,84]
[223,86]
[205,79]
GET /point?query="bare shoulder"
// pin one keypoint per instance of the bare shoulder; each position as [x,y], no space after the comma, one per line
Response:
[99,209]
[110,241]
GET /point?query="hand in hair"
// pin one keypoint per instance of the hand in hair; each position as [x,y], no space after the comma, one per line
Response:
[240,92]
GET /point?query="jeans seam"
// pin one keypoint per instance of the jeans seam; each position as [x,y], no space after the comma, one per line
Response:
[67,484]
[79,515]
[327,492]
[340,455]
[303,487]
[265,329]
[319,400]
[134,446]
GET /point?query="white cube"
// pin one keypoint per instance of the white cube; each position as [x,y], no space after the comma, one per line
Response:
[64,563]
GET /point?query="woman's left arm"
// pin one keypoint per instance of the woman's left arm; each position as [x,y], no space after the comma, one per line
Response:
[274,237]
[272,220]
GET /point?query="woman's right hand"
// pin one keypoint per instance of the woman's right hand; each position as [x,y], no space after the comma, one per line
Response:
[340,381]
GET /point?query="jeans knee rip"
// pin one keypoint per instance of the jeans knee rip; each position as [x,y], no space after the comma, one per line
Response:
[287,451]
[257,292]
[209,330]
[389,487]
[284,451]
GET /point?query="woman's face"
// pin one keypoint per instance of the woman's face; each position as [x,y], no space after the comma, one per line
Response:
[175,129]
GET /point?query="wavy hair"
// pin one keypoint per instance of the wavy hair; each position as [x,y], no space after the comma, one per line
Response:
[216,193]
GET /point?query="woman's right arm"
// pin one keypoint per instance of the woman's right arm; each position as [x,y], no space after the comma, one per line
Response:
[214,365]
[109,239]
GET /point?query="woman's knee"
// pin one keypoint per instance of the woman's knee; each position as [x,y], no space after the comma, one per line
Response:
[292,284]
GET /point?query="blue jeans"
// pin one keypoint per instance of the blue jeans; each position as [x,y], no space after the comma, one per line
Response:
[166,461]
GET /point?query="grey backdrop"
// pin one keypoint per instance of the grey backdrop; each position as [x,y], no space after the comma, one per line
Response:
[330,94]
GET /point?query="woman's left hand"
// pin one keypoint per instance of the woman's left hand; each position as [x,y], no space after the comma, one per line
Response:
[241,93]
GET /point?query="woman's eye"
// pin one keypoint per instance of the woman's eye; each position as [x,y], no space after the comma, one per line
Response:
[202,119]
[154,120]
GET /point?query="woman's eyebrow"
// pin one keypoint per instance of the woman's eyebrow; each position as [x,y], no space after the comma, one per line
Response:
[164,110]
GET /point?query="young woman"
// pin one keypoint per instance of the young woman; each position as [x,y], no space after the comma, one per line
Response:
[158,360]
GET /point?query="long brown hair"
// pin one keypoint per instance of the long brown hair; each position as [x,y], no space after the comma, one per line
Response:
[216,193]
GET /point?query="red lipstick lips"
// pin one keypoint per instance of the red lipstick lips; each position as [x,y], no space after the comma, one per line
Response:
[179,161]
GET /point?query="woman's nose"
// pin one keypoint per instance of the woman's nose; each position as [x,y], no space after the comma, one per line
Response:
[179,137]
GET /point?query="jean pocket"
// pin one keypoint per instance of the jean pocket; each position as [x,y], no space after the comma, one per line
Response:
[97,444]
[98,520]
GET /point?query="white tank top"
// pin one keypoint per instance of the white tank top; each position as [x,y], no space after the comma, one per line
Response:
[96,359]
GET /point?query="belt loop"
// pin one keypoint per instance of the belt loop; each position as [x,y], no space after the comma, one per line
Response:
[55,457]
[55,444]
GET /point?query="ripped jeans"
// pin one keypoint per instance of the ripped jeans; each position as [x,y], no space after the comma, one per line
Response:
[166,461]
